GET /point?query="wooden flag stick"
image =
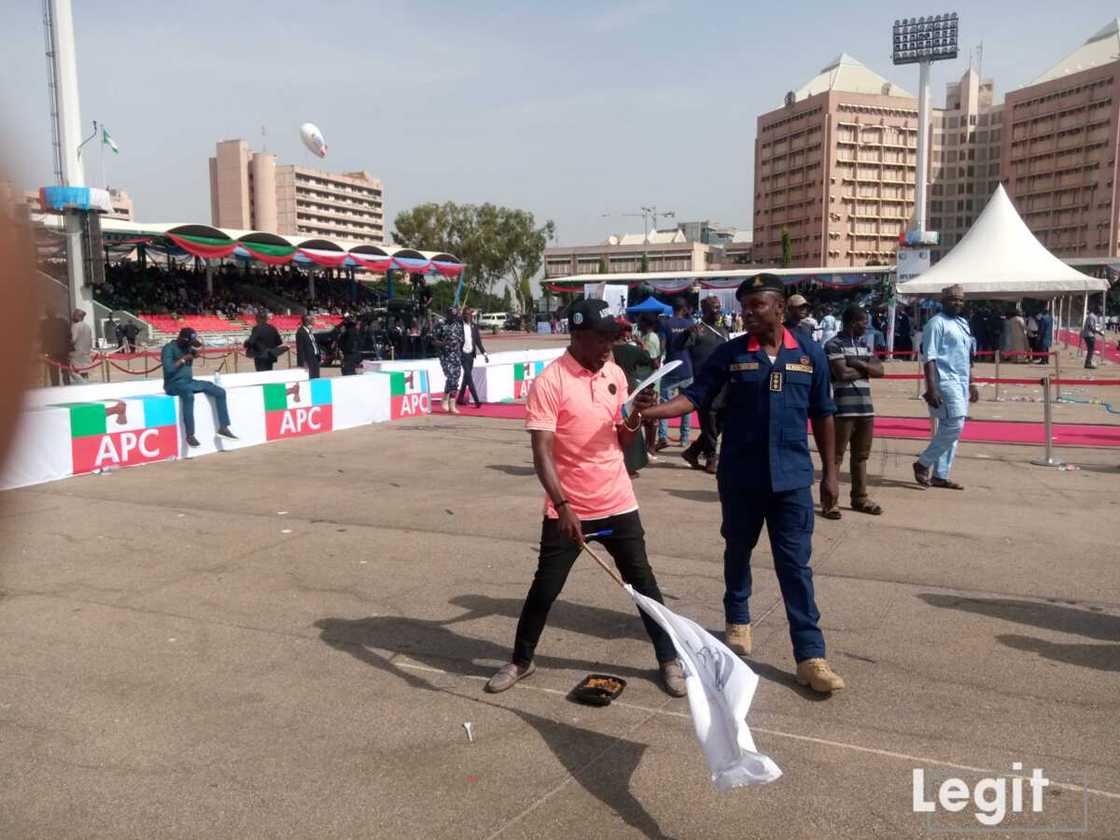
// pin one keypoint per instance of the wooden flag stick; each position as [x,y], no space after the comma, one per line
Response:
[603,563]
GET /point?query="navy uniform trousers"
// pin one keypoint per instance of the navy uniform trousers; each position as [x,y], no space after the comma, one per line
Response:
[788,517]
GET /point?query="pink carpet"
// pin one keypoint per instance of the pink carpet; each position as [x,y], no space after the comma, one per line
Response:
[914,428]
[1106,348]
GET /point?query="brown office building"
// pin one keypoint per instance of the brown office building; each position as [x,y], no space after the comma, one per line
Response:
[966,136]
[834,168]
[1060,152]
[249,191]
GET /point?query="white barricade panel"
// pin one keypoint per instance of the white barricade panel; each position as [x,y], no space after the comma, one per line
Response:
[360,400]
[41,449]
[246,420]
[494,383]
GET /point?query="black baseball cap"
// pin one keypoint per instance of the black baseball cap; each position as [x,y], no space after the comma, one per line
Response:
[189,335]
[759,283]
[588,314]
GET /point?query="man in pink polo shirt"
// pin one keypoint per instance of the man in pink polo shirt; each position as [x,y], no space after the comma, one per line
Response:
[578,434]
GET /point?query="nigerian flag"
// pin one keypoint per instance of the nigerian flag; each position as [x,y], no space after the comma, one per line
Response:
[108,141]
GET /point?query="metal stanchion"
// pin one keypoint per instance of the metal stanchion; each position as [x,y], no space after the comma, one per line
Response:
[1047,420]
[105,368]
[996,397]
[1057,374]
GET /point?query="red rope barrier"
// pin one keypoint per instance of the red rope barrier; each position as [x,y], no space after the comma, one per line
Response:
[132,372]
[1102,383]
[69,367]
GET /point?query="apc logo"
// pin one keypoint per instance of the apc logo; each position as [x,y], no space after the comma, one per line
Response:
[122,433]
[408,394]
[523,375]
[298,409]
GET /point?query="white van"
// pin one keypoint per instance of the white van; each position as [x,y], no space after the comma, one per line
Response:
[492,320]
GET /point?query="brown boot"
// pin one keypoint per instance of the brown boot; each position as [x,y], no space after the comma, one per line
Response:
[816,674]
[739,638]
[712,466]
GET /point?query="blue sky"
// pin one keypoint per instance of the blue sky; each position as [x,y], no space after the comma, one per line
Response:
[570,110]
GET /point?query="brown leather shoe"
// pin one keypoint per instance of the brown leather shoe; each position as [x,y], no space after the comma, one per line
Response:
[661,444]
[508,676]
[672,679]
[816,674]
[712,466]
[739,638]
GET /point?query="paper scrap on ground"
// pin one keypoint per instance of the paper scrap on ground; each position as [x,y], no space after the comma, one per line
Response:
[652,378]
[720,689]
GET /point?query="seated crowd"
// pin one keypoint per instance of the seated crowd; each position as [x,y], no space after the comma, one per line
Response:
[166,296]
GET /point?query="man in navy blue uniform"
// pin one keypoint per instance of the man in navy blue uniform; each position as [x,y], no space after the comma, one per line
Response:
[777,383]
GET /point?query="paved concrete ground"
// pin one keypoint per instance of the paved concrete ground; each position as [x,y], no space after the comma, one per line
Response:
[286,641]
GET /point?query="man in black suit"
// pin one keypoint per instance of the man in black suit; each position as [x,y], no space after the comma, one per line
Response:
[472,346]
[264,343]
[307,349]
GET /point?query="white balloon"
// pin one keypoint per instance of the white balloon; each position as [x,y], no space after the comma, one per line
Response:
[313,139]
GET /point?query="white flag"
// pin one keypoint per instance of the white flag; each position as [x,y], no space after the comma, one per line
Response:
[720,690]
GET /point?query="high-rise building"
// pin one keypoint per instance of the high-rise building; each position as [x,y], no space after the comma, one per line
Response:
[965,139]
[834,170]
[1059,150]
[250,191]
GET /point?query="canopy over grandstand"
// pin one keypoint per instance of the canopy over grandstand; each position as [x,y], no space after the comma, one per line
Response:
[678,281]
[122,237]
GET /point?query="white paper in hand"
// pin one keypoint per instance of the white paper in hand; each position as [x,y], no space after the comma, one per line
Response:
[649,380]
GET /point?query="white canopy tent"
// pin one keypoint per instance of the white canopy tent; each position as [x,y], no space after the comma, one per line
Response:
[999,258]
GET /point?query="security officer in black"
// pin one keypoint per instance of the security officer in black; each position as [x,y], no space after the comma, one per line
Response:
[777,382]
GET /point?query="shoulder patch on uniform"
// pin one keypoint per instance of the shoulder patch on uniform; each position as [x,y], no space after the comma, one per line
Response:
[804,360]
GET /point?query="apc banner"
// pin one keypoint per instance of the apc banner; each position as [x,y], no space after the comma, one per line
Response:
[523,375]
[297,409]
[122,433]
[408,394]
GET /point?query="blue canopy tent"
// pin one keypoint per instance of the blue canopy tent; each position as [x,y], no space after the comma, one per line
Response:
[650,305]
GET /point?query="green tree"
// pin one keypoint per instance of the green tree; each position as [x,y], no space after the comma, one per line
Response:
[493,242]
[787,249]
[507,300]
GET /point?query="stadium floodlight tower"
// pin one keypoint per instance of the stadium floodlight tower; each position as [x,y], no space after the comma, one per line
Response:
[922,41]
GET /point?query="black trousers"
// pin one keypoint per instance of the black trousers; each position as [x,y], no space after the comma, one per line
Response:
[263,363]
[707,444]
[468,380]
[1090,347]
[711,424]
[312,366]
[626,545]
[350,364]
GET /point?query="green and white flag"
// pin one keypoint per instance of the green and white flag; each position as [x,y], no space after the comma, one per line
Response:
[108,141]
